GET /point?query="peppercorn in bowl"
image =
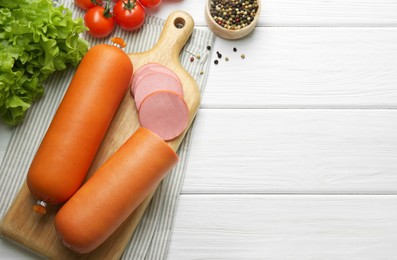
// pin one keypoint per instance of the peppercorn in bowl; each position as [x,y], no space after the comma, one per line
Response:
[232,19]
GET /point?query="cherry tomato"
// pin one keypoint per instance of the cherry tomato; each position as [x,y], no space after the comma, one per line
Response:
[150,3]
[129,14]
[87,4]
[99,21]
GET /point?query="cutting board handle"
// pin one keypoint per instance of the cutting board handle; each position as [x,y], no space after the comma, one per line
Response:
[177,29]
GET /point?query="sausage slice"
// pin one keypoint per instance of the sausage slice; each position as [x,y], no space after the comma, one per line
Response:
[154,82]
[149,68]
[165,113]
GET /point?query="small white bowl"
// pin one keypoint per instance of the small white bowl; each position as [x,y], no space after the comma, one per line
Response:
[229,33]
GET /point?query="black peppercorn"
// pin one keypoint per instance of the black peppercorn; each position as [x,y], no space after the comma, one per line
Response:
[216,62]
[233,14]
[234,49]
[208,47]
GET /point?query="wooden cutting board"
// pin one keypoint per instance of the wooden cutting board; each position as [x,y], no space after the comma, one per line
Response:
[37,233]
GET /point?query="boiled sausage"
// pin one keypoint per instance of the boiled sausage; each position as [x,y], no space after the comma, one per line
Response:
[115,190]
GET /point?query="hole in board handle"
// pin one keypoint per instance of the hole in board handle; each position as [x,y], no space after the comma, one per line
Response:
[179,23]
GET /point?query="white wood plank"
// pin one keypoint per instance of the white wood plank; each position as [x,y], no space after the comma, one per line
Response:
[303,12]
[306,67]
[293,151]
[329,13]
[285,227]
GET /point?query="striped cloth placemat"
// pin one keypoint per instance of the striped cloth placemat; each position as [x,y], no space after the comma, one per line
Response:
[151,238]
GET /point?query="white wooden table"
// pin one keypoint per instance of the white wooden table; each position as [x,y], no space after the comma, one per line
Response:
[294,154]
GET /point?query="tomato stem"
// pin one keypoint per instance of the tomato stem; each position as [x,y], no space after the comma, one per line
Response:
[107,13]
[96,2]
[129,5]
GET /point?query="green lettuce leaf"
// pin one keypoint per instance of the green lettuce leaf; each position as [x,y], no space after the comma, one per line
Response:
[36,39]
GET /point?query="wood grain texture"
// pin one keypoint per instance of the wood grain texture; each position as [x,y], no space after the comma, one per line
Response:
[291,13]
[37,233]
[293,151]
[280,227]
[306,68]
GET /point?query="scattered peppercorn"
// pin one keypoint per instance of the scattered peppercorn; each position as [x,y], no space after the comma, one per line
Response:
[216,62]
[233,14]
[219,55]
[198,56]
[243,56]
[226,59]
[201,72]
[191,59]
[209,47]
[234,49]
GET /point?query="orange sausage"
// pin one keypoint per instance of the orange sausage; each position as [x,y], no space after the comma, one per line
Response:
[117,188]
[79,125]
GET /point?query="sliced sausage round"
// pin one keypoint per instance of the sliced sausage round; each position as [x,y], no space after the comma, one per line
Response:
[138,72]
[148,69]
[165,113]
[154,82]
